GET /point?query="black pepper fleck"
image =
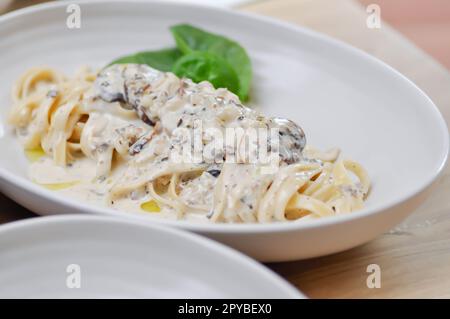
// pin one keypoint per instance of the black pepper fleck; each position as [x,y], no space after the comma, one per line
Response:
[214,172]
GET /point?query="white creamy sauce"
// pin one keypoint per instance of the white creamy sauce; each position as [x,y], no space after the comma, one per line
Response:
[124,105]
[130,136]
[77,181]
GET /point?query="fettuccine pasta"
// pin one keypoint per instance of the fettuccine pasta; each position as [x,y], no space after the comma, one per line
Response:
[118,138]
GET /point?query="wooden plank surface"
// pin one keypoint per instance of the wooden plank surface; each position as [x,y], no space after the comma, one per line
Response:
[415,256]
[424,22]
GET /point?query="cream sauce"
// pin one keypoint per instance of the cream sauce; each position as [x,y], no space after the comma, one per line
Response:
[132,130]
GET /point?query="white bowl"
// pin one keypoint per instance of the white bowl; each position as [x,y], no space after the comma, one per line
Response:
[106,257]
[340,95]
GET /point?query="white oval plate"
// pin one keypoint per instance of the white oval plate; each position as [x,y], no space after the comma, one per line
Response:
[340,95]
[107,257]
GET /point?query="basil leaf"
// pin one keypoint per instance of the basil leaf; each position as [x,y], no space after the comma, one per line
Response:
[204,66]
[190,39]
[162,60]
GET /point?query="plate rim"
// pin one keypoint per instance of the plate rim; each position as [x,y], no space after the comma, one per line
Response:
[243,228]
[211,246]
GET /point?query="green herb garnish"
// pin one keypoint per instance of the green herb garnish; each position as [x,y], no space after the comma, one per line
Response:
[201,56]
[162,60]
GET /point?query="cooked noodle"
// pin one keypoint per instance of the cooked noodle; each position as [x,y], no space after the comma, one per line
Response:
[123,122]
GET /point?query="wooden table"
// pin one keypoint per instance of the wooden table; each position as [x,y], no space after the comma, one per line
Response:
[415,256]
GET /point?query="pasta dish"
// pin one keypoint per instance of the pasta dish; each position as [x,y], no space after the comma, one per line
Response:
[140,140]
